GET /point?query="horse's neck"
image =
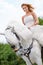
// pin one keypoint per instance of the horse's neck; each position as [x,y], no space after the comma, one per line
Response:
[26,43]
[36,44]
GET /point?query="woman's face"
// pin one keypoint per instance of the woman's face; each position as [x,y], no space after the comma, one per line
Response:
[25,8]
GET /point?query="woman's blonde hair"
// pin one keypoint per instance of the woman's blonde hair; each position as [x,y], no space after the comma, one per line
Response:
[30,7]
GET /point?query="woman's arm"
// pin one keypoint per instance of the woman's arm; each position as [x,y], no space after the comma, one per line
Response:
[23,20]
[36,21]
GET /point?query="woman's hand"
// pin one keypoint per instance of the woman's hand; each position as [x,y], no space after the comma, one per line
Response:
[31,26]
[35,23]
[28,27]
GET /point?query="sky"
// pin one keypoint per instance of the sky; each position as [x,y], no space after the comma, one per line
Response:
[11,10]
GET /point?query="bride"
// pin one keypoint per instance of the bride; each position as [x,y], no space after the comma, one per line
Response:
[30,20]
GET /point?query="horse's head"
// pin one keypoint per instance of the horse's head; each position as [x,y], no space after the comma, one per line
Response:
[11,38]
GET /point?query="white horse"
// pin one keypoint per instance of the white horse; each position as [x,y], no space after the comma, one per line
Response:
[25,40]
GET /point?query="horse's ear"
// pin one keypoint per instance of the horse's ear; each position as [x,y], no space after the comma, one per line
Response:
[8,27]
[12,30]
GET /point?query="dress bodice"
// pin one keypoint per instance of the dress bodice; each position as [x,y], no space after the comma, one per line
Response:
[28,20]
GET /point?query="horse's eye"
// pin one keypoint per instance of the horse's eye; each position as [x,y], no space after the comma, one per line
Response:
[13,46]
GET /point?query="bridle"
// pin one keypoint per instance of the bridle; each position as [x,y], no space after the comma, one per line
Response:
[26,51]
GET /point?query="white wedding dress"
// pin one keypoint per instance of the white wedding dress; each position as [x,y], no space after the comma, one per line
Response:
[36,30]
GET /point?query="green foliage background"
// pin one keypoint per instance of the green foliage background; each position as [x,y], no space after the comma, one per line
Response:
[9,57]
[40,21]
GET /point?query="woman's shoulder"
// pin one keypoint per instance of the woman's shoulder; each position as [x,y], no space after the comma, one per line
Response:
[23,16]
[33,14]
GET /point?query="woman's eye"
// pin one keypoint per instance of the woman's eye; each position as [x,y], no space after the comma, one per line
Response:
[24,8]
